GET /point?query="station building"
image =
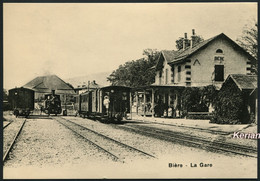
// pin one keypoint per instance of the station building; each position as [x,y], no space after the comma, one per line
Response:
[208,63]
[87,87]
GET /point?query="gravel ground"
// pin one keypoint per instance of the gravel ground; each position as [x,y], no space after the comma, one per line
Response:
[144,143]
[123,152]
[46,143]
[5,123]
[167,152]
[247,142]
[47,150]
[10,131]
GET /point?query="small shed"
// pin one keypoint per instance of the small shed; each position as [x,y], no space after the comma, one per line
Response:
[243,88]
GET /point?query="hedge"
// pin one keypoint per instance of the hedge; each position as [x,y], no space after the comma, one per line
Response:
[229,106]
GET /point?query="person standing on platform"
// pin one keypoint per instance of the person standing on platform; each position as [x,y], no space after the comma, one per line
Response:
[106,103]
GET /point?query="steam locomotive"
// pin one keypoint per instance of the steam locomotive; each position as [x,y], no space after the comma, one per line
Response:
[52,104]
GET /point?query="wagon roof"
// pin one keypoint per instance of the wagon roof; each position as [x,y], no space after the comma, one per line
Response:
[47,83]
[115,86]
[20,88]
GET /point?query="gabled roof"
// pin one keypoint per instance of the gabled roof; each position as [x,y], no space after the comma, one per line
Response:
[92,85]
[169,55]
[45,84]
[177,56]
[190,51]
[244,82]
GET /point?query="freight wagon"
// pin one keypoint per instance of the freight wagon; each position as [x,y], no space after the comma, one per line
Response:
[21,101]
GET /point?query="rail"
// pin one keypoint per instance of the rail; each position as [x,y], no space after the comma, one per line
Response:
[196,141]
[13,142]
[122,146]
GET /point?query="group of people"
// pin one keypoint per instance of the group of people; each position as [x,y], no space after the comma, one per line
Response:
[161,109]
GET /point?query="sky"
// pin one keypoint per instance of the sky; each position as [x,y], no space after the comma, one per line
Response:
[79,39]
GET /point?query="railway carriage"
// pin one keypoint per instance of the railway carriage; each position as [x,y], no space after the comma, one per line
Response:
[110,103]
[83,104]
[21,101]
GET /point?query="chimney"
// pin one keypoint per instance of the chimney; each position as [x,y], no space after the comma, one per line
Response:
[192,42]
[185,41]
[53,92]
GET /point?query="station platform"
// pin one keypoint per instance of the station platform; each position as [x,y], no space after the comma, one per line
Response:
[200,124]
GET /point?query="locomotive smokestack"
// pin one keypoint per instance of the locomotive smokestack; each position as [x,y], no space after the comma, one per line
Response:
[53,92]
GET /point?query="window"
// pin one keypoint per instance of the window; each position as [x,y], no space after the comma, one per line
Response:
[187,66]
[219,72]
[179,73]
[219,55]
[166,76]
[124,96]
[172,77]
[160,77]
[219,51]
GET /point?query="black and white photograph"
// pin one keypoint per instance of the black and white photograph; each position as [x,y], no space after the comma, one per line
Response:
[130,90]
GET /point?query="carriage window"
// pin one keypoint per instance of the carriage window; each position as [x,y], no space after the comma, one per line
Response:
[124,97]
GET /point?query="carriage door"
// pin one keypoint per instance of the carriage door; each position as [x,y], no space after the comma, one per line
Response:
[94,101]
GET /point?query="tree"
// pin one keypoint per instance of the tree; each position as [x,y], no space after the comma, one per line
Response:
[5,95]
[249,41]
[196,39]
[136,73]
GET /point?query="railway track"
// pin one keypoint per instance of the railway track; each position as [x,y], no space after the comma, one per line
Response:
[5,126]
[190,127]
[118,150]
[216,146]
[9,149]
